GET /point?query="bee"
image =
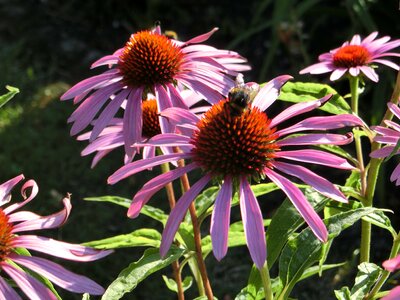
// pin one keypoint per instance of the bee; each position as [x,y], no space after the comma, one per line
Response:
[241,96]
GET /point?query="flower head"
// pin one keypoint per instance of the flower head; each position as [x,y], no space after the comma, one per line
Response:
[355,57]
[235,142]
[12,224]
[392,265]
[150,63]
[390,136]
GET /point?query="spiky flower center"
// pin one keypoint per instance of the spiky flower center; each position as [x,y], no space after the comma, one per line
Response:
[230,144]
[351,56]
[5,236]
[151,122]
[148,59]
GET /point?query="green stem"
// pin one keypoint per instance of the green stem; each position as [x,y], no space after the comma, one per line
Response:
[373,172]
[266,281]
[385,273]
[371,184]
[365,226]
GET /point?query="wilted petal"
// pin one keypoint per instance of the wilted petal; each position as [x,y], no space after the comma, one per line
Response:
[6,187]
[30,184]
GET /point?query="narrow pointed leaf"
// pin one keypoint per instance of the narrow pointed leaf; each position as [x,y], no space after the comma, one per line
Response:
[12,91]
[137,271]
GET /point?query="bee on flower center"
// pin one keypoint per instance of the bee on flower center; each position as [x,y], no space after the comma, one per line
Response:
[241,96]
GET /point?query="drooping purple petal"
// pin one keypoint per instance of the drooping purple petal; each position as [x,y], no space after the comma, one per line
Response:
[392,264]
[133,121]
[163,102]
[319,68]
[87,111]
[201,38]
[270,92]
[167,140]
[323,123]
[58,249]
[220,219]
[59,275]
[178,115]
[337,73]
[252,223]
[34,289]
[383,152]
[179,212]
[105,60]
[153,186]
[317,139]
[395,174]
[108,113]
[316,157]
[370,73]
[30,184]
[300,202]
[319,183]
[7,292]
[140,165]
[52,221]
[176,97]
[6,187]
[89,84]
[393,295]
[297,109]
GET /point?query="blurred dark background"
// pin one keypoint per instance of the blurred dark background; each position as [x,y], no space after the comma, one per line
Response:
[47,46]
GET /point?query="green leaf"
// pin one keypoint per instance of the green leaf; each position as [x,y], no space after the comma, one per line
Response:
[308,91]
[136,272]
[254,284]
[368,274]
[378,217]
[147,210]
[354,180]
[287,220]
[124,202]
[343,293]
[205,200]
[144,237]
[171,284]
[318,269]
[259,190]
[305,249]
[12,91]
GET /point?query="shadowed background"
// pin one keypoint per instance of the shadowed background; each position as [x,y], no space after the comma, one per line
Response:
[47,46]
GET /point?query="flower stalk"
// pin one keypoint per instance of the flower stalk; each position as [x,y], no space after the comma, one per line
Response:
[175,265]
[372,178]
[197,236]
[266,281]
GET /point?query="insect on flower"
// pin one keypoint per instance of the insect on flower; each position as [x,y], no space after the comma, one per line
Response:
[241,95]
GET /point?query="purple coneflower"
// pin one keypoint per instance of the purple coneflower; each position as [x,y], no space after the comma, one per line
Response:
[392,265]
[13,263]
[234,146]
[389,136]
[151,63]
[355,57]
